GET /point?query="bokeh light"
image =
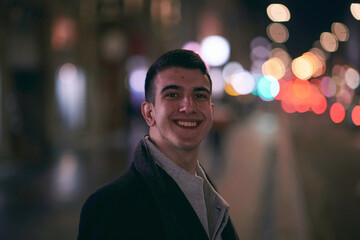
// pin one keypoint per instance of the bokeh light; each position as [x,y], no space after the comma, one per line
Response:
[328,86]
[320,53]
[215,50]
[344,95]
[260,52]
[337,113]
[282,55]
[278,12]
[257,77]
[268,88]
[277,32]
[302,67]
[71,92]
[137,79]
[319,65]
[63,33]
[135,61]
[338,70]
[165,12]
[318,102]
[231,68]
[68,73]
[193,46]
[113,45]
[260,41]
[301,96]
[355,115]
[329,42]
[302,90]
[256,66]
[67,177]
[340,31]
[229,88]
[355,10]
[243,82]
[136,67]
[274,67]
[217,82]
[352,78]
[288,108]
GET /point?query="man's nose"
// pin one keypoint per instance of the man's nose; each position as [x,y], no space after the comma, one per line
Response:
[187,105]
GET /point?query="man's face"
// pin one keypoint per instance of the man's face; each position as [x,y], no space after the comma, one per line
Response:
[183,111]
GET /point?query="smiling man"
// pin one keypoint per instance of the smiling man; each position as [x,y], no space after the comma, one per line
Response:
[165,194]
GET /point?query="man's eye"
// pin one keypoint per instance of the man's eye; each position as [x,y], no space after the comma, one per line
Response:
[172,95]
[201,96]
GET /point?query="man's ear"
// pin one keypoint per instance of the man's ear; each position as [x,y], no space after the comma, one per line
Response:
[212,109]
[147,110]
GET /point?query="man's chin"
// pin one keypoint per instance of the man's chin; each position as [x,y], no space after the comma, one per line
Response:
[188,144]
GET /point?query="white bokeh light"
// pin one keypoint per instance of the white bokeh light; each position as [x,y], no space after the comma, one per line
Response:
[137,79]
[215,50]
[67,177]
[243,82]
[217,82]
[193,46]
[352,78]
[70,87]
[230,68]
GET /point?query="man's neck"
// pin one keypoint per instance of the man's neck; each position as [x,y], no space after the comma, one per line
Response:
[184,158]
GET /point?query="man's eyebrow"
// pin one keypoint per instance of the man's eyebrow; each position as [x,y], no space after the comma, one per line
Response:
[201,89]
[176,87]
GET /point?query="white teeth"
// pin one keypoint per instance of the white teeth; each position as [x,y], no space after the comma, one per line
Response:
[186,124]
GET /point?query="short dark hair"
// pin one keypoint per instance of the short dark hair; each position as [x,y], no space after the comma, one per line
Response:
[174,58]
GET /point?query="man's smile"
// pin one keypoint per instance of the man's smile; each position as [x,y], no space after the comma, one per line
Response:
[187,124]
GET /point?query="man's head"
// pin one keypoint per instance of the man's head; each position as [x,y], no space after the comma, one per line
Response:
[178,109]
[175,58]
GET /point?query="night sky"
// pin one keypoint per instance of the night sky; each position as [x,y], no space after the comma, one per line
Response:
[309,18]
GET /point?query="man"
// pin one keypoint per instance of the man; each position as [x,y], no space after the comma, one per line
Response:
[165,194]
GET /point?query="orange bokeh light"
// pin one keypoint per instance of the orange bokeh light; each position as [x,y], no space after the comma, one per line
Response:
[301,90]
[63,33]
[274,67]
[303,67]
[318,103]
[301,96]
[229,89]
[288,108]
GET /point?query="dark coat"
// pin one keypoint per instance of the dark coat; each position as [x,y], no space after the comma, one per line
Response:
[143,203]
